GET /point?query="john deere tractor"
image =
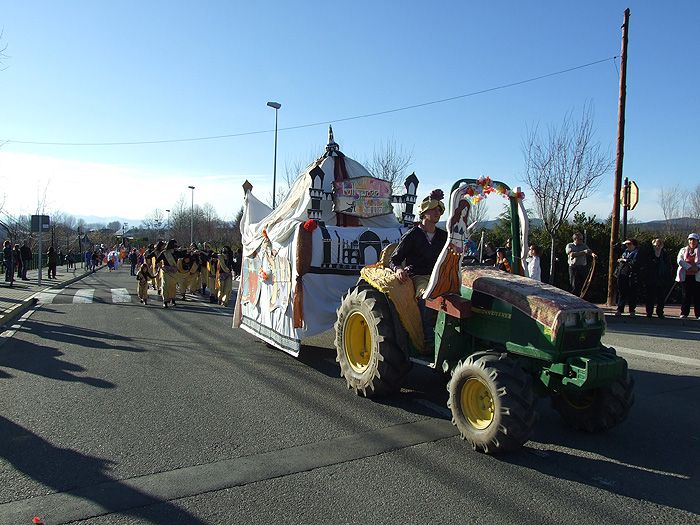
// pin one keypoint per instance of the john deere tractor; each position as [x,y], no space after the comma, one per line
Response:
[504,339]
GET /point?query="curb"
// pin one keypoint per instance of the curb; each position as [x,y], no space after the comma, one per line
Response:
[10,315]
[611,320]
[17,311]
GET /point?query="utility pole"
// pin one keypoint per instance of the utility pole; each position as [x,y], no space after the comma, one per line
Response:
[615,226]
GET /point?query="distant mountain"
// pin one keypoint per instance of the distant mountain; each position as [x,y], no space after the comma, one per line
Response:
[93,219]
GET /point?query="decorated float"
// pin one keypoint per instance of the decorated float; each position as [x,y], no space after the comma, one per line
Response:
[301,258]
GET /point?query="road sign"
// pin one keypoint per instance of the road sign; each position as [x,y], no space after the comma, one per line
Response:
[629,195]
[40,223]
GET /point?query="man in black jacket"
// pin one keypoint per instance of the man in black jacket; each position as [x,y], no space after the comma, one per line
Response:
[26,254]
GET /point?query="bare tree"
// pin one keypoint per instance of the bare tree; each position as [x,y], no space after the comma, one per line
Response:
[672,205]
[3,56]
[694,206]
[390,163]
[562,168]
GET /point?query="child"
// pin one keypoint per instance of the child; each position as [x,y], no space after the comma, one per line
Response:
[143,278]
[533,263]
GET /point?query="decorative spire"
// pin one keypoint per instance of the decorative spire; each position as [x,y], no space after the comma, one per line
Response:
[331,147]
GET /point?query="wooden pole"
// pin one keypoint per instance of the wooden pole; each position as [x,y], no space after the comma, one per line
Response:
[615,226]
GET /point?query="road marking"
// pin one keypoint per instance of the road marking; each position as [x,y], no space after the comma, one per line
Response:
[661,357]
[10,332]
[120,295]
[111,495]
[84,295]
[47,296]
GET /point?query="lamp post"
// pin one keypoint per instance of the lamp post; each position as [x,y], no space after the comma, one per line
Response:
[192,216]
[167,222]
[124,233]
[276,106]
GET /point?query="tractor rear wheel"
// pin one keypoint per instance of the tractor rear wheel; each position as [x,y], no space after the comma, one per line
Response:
[492,402]
[370,360]
[599,409]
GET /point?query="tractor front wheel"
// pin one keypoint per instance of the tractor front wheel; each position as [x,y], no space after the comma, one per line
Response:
[492,402]
[599,409]
[370,360]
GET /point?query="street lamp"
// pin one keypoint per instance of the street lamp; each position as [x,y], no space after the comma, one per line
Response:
[276,106]
[167,224]
[124,233]
[192,216]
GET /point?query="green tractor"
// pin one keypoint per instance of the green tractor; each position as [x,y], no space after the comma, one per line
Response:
[503,338]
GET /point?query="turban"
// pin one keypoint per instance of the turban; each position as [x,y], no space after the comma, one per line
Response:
[434,200]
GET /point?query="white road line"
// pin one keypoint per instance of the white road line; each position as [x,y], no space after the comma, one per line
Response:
[661,357]
[47,296]
[120,295]
[84,296]
[7,334]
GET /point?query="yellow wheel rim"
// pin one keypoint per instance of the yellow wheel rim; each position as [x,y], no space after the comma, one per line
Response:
[357,342]
[477,403]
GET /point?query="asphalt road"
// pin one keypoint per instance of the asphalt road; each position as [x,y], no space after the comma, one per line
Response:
[118,413]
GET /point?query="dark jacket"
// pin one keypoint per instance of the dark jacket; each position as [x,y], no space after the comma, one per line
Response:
[420,254]
[26,253]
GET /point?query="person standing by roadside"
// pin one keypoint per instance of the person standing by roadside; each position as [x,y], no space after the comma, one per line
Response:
[26,254]
[577,253]
[133,259]
[627,272]
[688,274]
[9,259]
[657,276]
[18,260]
[52,261]
[534,269]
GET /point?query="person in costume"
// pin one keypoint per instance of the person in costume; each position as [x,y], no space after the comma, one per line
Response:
[211,273]
[689,275]
[168,272]
[225,275]
[416,255]
[203,273]
[143,276]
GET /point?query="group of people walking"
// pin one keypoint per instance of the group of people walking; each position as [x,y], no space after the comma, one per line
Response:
[173,272]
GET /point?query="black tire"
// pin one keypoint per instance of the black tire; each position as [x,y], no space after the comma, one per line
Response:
[492,402]
[370,360]
[599,409]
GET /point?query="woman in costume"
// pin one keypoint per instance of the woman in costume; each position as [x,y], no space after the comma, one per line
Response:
[143,276]
[225,275]
[168,272]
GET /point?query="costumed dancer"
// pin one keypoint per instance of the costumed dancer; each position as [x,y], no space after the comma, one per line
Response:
[211,274]
[224,275]
[184,267]
[203,272]
[143,276]
[168,272]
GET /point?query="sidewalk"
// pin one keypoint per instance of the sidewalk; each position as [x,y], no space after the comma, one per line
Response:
[672,314]
[16,300]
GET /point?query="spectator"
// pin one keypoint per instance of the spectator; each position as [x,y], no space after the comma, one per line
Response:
[52,260]
[26,254]
[533,262]
[18,260]
[8,259]
[657,273]
[627,272]
[577,253]
[502,262]
[688,274]
[133,259]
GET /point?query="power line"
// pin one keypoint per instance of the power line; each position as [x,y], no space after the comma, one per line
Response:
[319,123]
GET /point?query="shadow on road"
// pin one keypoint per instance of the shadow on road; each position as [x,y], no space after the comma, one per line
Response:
[63,470]
[44,361]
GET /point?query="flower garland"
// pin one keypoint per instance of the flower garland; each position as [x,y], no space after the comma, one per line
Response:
[485,186]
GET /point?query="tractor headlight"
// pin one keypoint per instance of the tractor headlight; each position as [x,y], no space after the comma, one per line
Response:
[592,317]
[570,319]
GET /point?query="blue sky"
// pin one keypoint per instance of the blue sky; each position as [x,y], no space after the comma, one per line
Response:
[85,72]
